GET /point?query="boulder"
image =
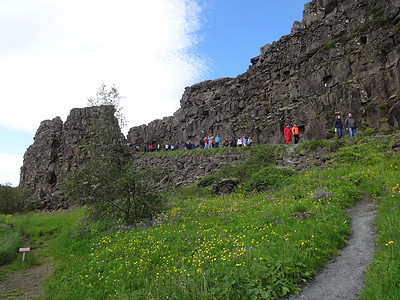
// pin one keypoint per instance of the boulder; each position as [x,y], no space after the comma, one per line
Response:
[225,186]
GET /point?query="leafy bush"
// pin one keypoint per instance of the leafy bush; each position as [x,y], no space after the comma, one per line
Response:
[207,180]
[10,240]
[11,199]
[262,157]
[369,131]
[107,183]
[269,177]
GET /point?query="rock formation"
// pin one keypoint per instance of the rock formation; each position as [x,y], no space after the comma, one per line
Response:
[342,57]
[59,148]
[176,169]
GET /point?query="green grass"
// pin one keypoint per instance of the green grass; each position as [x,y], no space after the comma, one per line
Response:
[37,230]
[10,240]
[244,246]
[240,246]
[262,156]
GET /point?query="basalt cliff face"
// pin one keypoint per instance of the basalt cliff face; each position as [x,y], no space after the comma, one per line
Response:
[342,57]
[59,147]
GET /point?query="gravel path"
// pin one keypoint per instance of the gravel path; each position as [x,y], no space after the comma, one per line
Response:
[343,276]
[25,285]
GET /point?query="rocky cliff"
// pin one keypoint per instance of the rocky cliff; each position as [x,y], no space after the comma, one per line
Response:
[59,147]
[342,57]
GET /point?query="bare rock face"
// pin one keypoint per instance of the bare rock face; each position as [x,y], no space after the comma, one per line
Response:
[342,57]
[58,149]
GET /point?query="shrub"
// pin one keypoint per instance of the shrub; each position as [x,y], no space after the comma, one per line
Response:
[268,177]
[207,180]
[11,199]
[9,242]
[369,131]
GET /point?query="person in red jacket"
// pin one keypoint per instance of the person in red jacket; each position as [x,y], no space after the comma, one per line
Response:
[288,134]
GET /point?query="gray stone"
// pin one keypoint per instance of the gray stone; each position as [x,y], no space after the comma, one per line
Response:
[225,186]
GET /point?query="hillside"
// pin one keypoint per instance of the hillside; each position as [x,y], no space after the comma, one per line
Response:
[249,245]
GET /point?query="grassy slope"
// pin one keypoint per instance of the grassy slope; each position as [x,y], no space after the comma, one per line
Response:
[248,246]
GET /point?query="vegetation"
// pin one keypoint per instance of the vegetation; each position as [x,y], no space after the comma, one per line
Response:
[258,245]
[111,97]
[262,156]
[12,200]
[107,184]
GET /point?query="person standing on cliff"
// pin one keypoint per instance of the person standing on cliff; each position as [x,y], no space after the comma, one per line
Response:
[338,127]
[217,140]
[210,142]
[295,131]
[351,125]
[202,143]
[288,134]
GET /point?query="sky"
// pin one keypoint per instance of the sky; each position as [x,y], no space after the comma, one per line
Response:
[54,54]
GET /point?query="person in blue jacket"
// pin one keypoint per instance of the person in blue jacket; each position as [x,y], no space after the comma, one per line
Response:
[339,127]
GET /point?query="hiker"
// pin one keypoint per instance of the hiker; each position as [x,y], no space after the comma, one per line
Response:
[338,127]
[244,141]
[216,141]
[232,142]
[295,131]
[210,142]
[288,134]
[351,125]
[239,142]
[202,143]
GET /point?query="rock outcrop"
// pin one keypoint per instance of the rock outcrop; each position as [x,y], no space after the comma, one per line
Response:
[177,169]
[342,57]
[59,148]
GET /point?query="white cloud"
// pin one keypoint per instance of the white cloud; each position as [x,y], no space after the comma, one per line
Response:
[55,53]
[9,166]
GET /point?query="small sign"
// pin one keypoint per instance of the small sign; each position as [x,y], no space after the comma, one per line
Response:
[24,250]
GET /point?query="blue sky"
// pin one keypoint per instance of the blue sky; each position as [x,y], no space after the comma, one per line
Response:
[55,54]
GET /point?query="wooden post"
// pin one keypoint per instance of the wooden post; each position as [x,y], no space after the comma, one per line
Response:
[24,250]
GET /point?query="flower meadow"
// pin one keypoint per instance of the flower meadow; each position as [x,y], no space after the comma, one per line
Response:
[247,246]
[243,246]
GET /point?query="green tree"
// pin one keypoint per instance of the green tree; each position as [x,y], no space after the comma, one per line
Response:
[106,181]
[109,97]
[12,199]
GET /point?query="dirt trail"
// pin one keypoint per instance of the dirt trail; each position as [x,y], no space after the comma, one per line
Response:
[25,285]
[343,276]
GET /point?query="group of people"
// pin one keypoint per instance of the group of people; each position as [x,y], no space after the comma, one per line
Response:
[350,125]
[208,142]
[288,134]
